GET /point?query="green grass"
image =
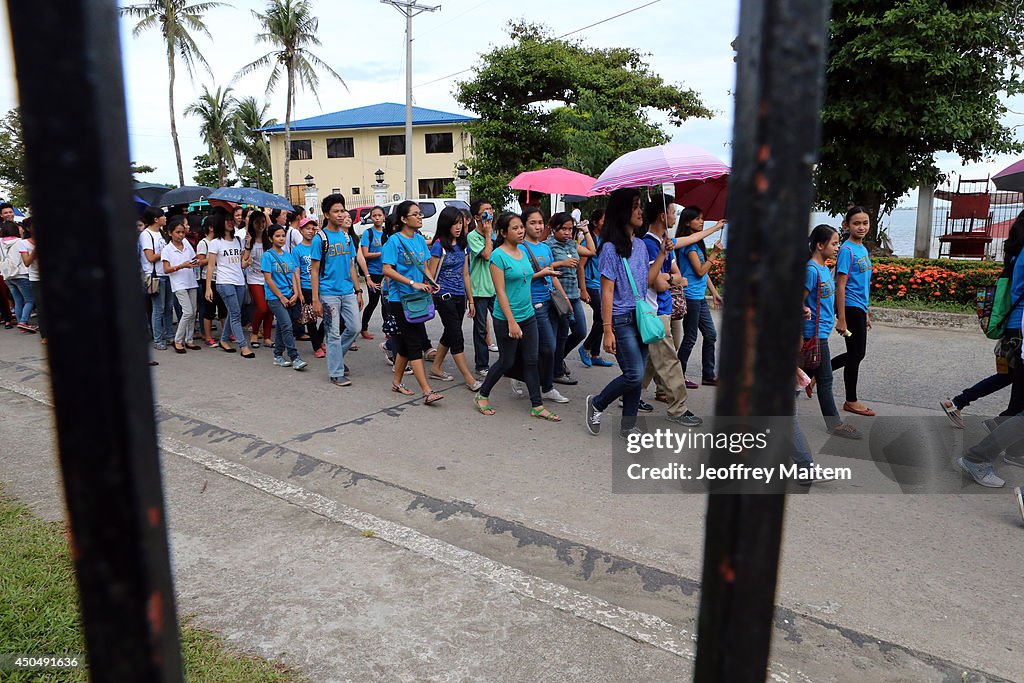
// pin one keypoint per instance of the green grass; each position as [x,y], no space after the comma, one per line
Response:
[913,305]
[40,610]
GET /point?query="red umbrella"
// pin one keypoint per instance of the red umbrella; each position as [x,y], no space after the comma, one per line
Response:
[554,181]
[709,195]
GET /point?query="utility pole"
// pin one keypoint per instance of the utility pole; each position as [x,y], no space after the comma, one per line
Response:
[410,9]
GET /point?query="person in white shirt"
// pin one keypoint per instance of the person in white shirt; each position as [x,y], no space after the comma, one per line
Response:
[27,248]
[227,258]
[179,262]
[293,234]
[18,283]
[256,243]
[151,244]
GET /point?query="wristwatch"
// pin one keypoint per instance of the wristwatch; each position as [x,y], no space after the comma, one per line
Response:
[359,291]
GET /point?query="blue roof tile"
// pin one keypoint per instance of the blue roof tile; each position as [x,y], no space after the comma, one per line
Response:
[373,116]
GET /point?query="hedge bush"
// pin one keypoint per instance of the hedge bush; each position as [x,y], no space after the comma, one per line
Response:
[927,280]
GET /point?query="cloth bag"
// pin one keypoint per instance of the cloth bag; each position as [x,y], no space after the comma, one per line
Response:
[647,321]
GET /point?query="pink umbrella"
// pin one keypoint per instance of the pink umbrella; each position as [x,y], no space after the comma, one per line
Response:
[663,164]
[554,181]
[1011,178]
[709,195]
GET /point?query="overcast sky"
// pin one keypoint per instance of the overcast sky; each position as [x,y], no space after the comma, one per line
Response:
[688,44]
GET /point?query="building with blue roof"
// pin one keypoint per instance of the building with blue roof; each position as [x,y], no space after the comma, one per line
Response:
[343,150]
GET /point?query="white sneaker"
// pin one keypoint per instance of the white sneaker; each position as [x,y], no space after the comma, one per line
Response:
[493,348]
[553,395]
[518,388]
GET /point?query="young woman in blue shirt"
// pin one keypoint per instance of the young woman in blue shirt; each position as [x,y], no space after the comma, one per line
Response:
[853,288]
[283,294]
[694,264]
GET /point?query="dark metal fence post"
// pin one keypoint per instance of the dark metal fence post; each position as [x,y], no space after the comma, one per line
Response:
[68,59]
[781,55]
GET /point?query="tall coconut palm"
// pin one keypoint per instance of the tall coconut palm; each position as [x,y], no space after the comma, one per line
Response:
[291,27]
[176,19]
[216,114]
[246,138]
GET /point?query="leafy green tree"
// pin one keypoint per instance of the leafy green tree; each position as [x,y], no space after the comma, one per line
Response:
[249,143]
[541,99]
[177,20]
[907,79]
[12,159]
[216,114]
[291,27]
[140,169]
[208,172]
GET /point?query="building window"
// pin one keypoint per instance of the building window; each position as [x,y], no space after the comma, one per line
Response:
[392,145]
[433,187]
[301,150]
[439,143]
[340,148]
[297,194]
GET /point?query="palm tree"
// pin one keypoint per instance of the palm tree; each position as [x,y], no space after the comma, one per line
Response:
[246,138]
[291,27]
[176,19]
[216,113]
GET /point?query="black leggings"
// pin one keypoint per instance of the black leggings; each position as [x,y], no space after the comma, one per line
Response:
[856,347]
[592,343]
[315,332]
[374,300]
[508,349]
[452,310]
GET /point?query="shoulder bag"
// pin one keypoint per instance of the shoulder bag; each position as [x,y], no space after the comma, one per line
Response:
[810,352]
[647,321]
[8,267]
[417,306]
[561,304]
[150,280]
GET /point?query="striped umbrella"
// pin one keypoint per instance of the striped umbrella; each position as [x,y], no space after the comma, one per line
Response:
[663,164]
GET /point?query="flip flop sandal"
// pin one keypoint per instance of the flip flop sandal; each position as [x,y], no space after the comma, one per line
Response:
[867,412]
[952,413]
[484,409]
[475,386]
[809,389]
[441,376]
[432,398]
[543,413]
[401,389]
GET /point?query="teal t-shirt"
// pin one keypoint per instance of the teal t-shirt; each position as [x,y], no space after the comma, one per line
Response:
[854,262]
[821,299]
[304,252]
[407,255]
[696,286]
[518,276]
[281,267]
[479,268]
[337,277]
[371,240]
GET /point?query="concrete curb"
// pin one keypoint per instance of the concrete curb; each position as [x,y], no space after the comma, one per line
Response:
[899,317]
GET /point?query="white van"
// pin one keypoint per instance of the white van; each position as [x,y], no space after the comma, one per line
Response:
[430,208]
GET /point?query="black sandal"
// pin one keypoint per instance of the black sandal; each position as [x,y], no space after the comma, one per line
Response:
[432,398]
[226,349]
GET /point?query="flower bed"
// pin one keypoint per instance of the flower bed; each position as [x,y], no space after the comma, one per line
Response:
[926,280]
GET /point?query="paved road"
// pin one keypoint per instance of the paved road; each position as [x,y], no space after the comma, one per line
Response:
[500,551]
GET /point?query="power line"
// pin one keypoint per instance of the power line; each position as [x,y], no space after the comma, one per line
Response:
[564,35]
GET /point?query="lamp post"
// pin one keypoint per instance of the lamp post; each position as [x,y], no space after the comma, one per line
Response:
[311,196]
[380,189]
[462,183]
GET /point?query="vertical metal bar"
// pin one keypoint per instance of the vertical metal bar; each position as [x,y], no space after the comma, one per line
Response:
[780,82]
[73,111]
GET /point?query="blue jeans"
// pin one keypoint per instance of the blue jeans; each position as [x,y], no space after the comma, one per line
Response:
[338,342]
[570,332]
[23,301]
[823,379]
[592,343]
[801,454]
[162,318]
[233,296]
[989,385]
[284,336]
[546,329]
[631,353]
[698,318]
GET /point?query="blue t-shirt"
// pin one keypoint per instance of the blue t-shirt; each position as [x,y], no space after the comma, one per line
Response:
[1016,291]
[371,240]
[653,245]
[853,260]
[610,266]
[591,276]
[821,291]
[281,267]
[518,278]
[304,252]
[539,288]
[407,255]
[449,278]
[696,287]
[567,276]
[337,277]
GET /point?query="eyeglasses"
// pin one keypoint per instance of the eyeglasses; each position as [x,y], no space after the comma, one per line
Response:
[415,215]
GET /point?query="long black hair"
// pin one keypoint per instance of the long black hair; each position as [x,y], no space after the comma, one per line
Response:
[1014,243]
[390,227]
[258,221]
[501,224]
[822,234]
[687,216]
[218,219]
[445,221]
[617,217]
